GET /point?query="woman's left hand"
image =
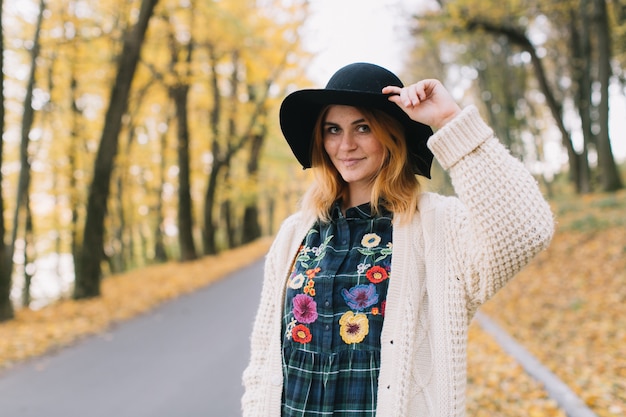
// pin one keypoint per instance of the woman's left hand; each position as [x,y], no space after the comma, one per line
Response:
[426,101]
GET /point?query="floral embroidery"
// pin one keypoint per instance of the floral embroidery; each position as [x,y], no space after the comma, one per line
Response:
[360,296]
[309,288]
[296,282]
[304,308]
[376,274]
[362,267]
[304,257]
[289,328]
[353,327]
[383,306]
[375,311]
[370,240]
[301,334]
[310,273]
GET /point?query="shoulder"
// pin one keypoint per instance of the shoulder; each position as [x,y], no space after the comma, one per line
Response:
[430,202]
[292,231]
[296,221]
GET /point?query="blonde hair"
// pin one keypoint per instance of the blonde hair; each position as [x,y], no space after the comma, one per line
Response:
[395,187]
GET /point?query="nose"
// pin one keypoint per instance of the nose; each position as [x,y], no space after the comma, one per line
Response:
[348,142]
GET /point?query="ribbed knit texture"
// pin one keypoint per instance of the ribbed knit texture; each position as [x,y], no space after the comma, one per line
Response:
[455,255]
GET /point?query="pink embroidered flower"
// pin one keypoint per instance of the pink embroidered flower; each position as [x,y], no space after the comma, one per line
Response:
[304,308]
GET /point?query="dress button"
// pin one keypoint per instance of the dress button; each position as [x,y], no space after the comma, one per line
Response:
[327,303]
[327,327]
[276,380]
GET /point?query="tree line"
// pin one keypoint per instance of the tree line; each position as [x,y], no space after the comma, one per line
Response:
[539,67]
[144,131]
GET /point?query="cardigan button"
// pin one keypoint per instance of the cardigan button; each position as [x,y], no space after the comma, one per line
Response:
[276,380]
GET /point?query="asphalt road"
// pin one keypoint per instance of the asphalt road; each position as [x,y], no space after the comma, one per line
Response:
[183,359]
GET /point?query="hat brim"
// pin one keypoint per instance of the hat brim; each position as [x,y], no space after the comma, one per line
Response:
[300,110]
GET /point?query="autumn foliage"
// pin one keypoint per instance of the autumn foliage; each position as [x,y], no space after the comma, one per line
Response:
[568,308]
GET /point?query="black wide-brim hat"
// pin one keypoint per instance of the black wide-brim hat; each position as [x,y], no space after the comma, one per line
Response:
[357,85]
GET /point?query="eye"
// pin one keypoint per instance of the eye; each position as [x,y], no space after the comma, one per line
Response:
[363,128]
[333,130]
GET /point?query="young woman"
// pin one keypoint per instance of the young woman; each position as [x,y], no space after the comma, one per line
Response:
[369,289]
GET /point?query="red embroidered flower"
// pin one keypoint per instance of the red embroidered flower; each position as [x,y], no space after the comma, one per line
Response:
[376,274]
[301,334]
[383,306]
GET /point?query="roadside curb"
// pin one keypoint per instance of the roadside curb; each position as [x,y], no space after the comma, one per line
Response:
[571,404]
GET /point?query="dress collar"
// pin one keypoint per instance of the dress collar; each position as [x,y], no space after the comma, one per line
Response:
[363,211]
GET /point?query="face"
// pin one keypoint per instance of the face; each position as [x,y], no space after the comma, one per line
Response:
[352,147]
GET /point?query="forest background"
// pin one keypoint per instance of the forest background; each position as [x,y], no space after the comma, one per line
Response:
[145,132]
[141,132]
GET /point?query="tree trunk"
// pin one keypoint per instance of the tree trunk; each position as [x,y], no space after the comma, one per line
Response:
[29,246]
[6,307]
[179,93]
[160,254]
[581,72]
[20,218]
[609,175]
[208,231]
[89,269]
[251,227]
[519,38]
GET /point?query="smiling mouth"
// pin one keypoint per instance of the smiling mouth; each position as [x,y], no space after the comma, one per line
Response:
[351,162]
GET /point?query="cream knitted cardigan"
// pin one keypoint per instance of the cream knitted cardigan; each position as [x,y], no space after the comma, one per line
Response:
[453,256]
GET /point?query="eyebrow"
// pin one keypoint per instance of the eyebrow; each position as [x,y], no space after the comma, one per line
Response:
[356,122]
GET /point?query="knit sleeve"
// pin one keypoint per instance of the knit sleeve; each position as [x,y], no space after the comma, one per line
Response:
[502,220]
[258,375]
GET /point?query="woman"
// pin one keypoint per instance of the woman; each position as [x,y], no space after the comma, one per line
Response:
[369,289]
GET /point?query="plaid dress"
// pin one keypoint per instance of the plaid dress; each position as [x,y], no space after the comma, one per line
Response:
[333,316]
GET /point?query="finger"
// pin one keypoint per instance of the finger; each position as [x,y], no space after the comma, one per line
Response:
[391,89]
[414,94]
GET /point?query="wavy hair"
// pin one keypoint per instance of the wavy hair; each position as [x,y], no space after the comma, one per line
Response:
[395,187]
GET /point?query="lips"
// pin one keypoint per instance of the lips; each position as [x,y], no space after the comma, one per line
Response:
[351,161]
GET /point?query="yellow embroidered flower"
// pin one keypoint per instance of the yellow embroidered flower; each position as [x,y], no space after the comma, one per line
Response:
[370,240]
[353,327]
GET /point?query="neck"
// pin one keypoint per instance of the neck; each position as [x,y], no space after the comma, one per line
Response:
[356,196]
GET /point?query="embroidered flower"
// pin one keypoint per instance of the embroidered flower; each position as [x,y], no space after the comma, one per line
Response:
[353,327]
[296,282]
[362,267]
[375,311]
[376,274]
[360,296]
[289,329]
[370,240]
[309,288]
[312,272]
[304,308]
[383,306]
[301,334]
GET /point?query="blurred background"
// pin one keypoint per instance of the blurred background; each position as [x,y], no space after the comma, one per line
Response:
[145,132]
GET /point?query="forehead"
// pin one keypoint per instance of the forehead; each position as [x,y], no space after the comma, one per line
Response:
[341,113]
